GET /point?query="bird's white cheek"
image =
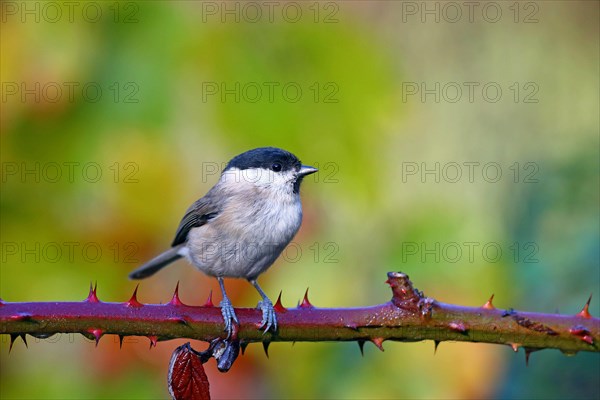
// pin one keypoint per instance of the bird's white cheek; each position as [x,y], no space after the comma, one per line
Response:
[257,176]
[252,176]
[280,183]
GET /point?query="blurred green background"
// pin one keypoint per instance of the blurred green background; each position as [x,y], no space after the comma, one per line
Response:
[116,116]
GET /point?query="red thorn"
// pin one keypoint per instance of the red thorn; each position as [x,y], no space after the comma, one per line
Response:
[121,337]
[175,301]
[153,340]
[92,297]
[133,301]
[378,342]
[585,311]
[278,306]
[305,302]
[436,343]
[266,348]
[209,302]
[488,304]
[1,302]
[97,334]
[361,346]
[515,347]
[14,336]
[457,326]
[243,346]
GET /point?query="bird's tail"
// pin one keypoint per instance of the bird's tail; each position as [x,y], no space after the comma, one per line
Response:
[157,263]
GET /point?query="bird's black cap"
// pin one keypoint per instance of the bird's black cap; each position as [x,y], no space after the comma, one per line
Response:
[265,157]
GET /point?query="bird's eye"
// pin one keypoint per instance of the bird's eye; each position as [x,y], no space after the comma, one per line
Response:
[276,167]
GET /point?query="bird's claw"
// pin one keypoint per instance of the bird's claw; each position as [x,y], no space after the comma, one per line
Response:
[269,319]
[228,316]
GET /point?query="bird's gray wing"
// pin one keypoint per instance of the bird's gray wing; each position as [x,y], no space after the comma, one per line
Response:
[197,215]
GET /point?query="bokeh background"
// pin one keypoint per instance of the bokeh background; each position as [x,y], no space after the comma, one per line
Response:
[116,116]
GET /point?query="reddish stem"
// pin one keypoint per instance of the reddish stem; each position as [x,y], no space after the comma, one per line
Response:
[409,316]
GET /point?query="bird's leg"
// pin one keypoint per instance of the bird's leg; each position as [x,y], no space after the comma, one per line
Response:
[269,319]
[227,310]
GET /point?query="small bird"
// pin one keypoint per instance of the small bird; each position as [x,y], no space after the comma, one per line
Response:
[240,227]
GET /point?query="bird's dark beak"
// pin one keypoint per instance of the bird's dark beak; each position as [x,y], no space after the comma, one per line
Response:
[306,170]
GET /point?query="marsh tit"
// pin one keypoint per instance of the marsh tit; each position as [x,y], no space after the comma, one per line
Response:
[240,227]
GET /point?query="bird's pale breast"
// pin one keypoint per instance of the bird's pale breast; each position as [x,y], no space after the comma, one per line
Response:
[262,230]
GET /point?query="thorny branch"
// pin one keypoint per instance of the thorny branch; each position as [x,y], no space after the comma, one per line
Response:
[409,316]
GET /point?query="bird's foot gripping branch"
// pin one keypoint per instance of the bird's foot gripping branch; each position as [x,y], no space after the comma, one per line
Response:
[409,316]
